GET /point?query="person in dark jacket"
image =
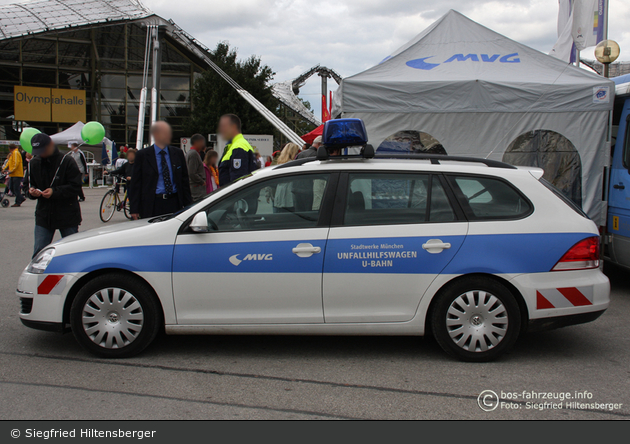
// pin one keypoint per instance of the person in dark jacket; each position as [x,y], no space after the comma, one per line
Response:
[126,169]
[55,182]
[81,161]
[238,158]
[196,172]
[159,183]
[312,150]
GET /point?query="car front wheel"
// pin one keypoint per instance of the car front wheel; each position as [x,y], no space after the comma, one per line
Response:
[115,316]
[476,319]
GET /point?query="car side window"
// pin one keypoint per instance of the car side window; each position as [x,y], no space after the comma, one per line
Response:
[626,146]
[282,203]
[391,198]
[486,198]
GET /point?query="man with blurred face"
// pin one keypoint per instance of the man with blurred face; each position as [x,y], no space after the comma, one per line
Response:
[159,183]
[238,158]
[55,182]
[196,172]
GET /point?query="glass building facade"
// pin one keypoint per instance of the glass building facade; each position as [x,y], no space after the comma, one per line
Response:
[107,62]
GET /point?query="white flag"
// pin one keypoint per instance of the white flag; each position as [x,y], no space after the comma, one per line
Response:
[578,30]
[564,15]
[563,49]
[584,22]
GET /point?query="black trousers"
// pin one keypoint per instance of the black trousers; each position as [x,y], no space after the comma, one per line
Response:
[81,195]
[165,206]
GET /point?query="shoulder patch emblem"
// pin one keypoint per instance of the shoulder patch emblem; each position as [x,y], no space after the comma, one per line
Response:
[236,163]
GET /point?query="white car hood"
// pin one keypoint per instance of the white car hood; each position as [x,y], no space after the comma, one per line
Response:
[106,229]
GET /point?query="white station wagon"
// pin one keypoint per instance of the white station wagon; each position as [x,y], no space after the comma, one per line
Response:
[476,252]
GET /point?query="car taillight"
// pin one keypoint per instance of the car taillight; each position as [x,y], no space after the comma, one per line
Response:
[581,256]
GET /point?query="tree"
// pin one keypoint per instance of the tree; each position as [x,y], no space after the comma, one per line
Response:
[212,96]
[296,122]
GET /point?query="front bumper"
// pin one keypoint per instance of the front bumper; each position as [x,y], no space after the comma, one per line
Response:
[57,327]
[42,299]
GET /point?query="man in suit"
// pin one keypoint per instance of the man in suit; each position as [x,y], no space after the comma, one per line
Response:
[159,183]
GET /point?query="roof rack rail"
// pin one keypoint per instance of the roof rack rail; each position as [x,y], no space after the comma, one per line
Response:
[434,158]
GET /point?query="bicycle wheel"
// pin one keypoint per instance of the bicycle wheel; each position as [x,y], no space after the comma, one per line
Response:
[108,206]
[127,208]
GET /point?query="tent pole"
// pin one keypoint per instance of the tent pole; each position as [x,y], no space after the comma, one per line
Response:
[577,57]
[606,7]
[142,106]
[155,71]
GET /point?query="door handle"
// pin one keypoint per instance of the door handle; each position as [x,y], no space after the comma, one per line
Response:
[306,250]
[619,186]
[435,246]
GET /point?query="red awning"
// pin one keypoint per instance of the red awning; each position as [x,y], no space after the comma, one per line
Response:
[309,137]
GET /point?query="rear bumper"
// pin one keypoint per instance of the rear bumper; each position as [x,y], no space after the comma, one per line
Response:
[561,294]
[543,324]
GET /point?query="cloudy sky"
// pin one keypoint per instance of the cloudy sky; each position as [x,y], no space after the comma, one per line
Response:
[351,35]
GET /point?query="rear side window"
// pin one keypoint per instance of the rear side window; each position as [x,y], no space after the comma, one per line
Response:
[563,198]
[391,199]
[486,198]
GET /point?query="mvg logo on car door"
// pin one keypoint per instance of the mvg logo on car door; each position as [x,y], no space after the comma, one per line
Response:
[250,257]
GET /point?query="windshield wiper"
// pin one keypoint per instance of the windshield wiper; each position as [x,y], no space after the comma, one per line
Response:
[161,218]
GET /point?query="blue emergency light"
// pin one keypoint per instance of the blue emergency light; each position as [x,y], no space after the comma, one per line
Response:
[344,132]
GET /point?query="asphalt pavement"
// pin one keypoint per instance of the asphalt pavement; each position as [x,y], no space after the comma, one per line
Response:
[48,376]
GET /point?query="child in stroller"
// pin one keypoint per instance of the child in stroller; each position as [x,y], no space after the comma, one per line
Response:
[4,202]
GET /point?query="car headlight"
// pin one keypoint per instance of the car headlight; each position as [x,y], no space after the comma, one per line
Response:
[40,262]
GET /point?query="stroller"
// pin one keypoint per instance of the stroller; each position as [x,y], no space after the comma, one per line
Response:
[4,202]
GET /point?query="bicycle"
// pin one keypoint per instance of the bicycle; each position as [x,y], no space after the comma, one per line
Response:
[112,202]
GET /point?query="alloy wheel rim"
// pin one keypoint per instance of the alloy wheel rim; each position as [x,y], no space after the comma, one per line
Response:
[112,318]
[477,321]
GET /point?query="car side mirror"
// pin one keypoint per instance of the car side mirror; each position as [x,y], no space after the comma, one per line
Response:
[199,223]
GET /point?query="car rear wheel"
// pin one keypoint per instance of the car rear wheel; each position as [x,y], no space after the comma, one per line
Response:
[476,319]
[115,316]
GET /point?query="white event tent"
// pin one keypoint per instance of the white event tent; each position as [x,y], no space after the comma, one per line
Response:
[480,94]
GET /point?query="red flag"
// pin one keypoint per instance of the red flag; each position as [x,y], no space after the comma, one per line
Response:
[325,112]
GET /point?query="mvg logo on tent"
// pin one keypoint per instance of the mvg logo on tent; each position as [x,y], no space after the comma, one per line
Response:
[250,257]
[487,58]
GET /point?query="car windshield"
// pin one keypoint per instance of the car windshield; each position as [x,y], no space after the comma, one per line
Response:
[177,213]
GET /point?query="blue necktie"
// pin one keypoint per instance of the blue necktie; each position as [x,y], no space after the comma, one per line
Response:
[166,175]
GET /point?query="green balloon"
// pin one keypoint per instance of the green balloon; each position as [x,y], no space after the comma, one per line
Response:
[93,133]
[25,139]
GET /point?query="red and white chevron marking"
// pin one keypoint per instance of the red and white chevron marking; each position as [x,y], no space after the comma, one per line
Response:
[564,297]
[51,284]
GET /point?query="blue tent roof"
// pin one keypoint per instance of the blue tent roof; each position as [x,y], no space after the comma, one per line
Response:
[621,79]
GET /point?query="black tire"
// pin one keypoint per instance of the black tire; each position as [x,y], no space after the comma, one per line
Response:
[107,212]
[480,340]
[148,327]
[5,203]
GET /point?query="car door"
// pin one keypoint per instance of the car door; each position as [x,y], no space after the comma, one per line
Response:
[619,195]
[392,234]
[261,260]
